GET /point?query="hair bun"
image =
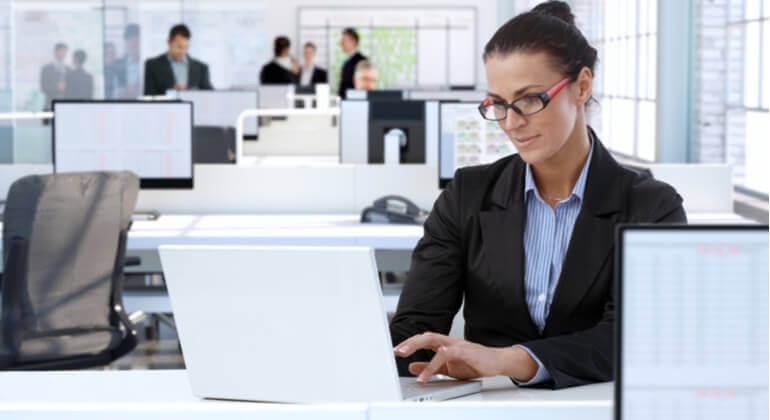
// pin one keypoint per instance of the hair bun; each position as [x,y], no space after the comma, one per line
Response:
[557,9]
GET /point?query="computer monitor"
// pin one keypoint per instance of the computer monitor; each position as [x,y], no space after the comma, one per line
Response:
[406,116]
[376,95]
[692,322]
[220,108]
[466,139]
[151,139]
[275,96]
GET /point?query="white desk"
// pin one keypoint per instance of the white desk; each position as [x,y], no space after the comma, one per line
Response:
[166,395]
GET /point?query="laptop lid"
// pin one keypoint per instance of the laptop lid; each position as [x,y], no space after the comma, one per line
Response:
[287,324]
[692,321]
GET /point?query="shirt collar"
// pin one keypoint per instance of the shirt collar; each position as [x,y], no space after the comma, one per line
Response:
[577,190]
[171,60]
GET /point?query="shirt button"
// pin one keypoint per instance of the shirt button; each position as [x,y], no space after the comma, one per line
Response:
[541,298]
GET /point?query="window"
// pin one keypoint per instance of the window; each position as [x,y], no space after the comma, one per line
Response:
[747,87]
[625,34]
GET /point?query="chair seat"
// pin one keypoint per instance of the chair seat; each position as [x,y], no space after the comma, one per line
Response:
[60,344]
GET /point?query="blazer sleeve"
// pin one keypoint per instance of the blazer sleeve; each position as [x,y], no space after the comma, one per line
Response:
[150,85]
[587,356]
[205,79]
[433,290]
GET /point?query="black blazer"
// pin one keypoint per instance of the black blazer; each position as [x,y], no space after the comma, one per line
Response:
[273,73]
[348,71]
[158,76]
[473,250]
[319,76]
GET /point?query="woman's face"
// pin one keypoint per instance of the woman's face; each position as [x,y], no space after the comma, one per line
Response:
[538,137]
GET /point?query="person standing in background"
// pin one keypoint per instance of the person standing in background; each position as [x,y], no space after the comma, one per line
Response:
[80,83]
[310,74]
[365,76]
[349,44]
[122,78]
[53,76]
[283,68]
[175,69]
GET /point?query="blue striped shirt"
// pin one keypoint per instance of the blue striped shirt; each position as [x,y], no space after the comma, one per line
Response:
[547,232]
[180,69]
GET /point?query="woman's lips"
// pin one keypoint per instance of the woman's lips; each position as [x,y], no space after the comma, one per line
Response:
[523,141]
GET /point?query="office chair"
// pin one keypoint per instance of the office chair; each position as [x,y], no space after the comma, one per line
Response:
[213,144]
[64,244]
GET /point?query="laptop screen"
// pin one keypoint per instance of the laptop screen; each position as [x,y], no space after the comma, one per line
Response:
[693,323]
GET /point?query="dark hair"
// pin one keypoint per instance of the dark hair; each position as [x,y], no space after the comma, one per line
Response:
[549,27]
[179,30]
[79,56]
[280,44]
[132,30]
[310,45]
[59,46]
[351,33]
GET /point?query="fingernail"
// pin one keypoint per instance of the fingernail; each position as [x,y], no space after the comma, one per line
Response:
[421,379]
[403,349]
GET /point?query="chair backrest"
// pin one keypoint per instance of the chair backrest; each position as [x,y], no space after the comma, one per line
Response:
[72,226]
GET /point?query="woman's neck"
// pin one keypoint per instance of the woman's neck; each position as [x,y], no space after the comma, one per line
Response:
[556,177]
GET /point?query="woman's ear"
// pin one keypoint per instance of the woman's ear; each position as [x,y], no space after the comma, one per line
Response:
[584,85]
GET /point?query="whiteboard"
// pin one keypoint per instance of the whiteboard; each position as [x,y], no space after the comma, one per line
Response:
[411,46]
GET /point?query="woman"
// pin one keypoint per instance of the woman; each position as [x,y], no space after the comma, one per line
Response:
[527,241]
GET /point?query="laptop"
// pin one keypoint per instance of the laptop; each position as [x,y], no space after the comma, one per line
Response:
[692,319]
[288,324]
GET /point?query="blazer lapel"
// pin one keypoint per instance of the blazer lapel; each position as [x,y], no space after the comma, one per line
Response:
[502,227]
[593,233]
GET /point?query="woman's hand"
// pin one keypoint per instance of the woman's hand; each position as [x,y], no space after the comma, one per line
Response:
[462,359]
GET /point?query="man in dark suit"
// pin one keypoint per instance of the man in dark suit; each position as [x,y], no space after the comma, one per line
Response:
[175,69]
[310,73]
[80,83]
[349,44]
[53,76]
[283,68]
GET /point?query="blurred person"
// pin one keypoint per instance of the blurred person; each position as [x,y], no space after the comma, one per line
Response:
[283,68]
[53,76]
[349,45]
[310,74]
[124,73]
[175,69]
[80,83]
[365,76]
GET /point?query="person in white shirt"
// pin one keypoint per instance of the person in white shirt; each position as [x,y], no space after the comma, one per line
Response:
[310,74]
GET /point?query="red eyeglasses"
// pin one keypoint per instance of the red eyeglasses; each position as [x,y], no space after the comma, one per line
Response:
[524,106]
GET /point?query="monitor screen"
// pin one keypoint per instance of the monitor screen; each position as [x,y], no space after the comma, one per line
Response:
[466,139]
[385,95]
[407,116]
[151,139]
[220,108]
[693,327]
